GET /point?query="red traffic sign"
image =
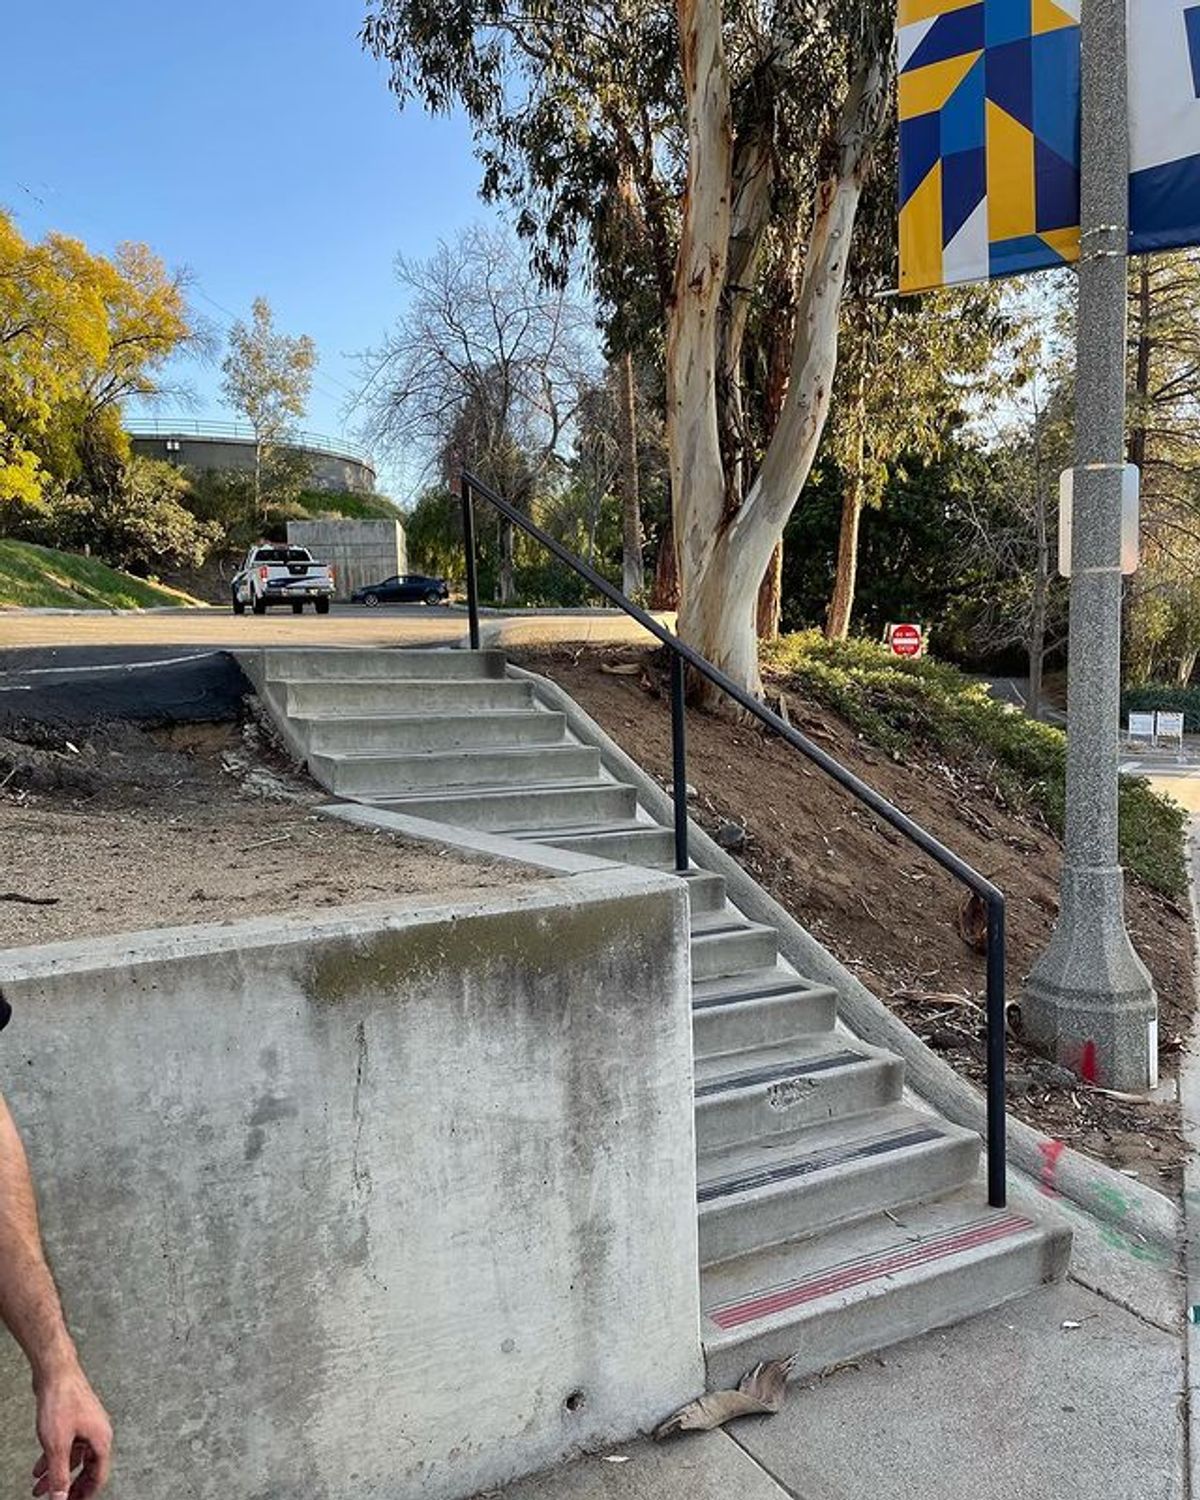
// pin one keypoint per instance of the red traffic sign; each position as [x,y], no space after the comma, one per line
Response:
[906,640]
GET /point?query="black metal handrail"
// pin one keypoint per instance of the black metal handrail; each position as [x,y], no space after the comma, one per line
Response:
[682,654]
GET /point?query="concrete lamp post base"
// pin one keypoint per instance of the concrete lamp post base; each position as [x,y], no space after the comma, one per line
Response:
[1090,1002]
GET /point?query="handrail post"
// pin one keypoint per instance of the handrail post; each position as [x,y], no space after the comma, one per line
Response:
[468,510]
[679,761]
[996,1021]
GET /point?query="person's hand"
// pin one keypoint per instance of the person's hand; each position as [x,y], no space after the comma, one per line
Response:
[75,1434]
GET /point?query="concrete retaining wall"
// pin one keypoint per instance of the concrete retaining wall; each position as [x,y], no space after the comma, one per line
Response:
[369,1204]
[361,552]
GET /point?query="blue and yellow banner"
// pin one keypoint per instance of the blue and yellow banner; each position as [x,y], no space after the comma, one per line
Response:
[989,134]
[989,138]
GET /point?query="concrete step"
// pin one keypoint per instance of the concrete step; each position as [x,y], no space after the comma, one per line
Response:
[630,843]
[706,891]
[872,1284]
[383,775]
[412,733]
[763,1008]
[796,1186]
[339,663]
[499,809]
[328,699]
[770,1091]
[723,946]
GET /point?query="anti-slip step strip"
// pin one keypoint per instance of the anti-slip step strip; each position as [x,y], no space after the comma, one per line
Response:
[819,1161]
[740,997]
[879,1265]
[776,1072]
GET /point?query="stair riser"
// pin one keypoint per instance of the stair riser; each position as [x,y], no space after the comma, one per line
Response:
[344,700]
[765,1110]
[412,736]
[732,953]
[805,1208]
[345,662]
[384,776]
[706,893]
[828,1335]
[762,1023]
[534,809]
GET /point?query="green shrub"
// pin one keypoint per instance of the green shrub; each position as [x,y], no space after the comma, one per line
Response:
[1161,695]
[909,705]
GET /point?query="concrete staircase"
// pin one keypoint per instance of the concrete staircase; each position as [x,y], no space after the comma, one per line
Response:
[834,1217]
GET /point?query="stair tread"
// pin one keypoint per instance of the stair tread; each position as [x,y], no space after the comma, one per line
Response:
[584,830]
[723,927]
[440,794]
[821,1052]
[754,984]
[779,1286]
[786,1161]
[425,718]
[715,923]
[477,752]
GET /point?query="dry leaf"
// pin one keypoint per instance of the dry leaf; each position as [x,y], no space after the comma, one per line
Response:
[760,1392]
[623,669]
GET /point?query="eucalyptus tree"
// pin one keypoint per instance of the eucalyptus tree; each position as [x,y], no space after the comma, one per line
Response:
[690,152]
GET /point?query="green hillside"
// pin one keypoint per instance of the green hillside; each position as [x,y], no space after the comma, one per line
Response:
[32,576]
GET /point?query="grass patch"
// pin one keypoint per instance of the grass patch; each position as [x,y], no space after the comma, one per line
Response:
[907,706]
[40,577]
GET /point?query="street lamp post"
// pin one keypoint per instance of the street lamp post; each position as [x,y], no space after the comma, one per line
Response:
[1090,1000]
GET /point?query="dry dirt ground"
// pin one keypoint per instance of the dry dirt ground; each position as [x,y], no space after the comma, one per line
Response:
[888,913]
[123,828]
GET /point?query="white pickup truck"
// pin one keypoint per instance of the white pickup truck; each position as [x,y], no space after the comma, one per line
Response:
[274,573]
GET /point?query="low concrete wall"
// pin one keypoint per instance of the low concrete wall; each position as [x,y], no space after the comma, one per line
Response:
[368,1204]
[361,552]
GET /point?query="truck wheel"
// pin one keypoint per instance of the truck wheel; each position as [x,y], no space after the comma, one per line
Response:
[297,609]
[322,606]
[238,607]
[258,605]
[433,597]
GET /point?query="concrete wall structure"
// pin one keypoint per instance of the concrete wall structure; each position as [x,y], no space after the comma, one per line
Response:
[328,469]
[372,1203]
[361,552]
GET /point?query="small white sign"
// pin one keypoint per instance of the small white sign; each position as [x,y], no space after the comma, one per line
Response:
[1130,518]
[1169,726]
[1141,727]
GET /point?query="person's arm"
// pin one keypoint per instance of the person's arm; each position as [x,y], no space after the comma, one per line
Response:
[72,1426]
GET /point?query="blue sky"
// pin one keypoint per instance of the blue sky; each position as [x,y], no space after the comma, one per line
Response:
[254,143]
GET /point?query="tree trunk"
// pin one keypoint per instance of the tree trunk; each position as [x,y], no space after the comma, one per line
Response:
[1187,665]
[633,565]
[697,473]
[1141,379]
[841,605]
[664,593]
[722,558]
[770,597]
[508,591]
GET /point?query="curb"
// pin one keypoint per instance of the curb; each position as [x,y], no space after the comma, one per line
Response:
[1146,1221]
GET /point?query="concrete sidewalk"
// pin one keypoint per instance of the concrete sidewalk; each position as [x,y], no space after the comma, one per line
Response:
[1060,1395]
